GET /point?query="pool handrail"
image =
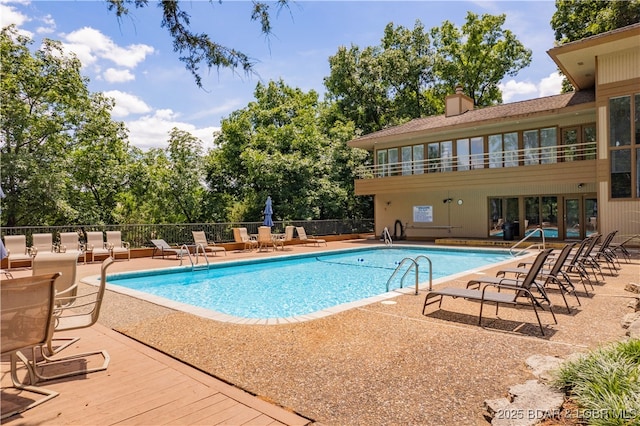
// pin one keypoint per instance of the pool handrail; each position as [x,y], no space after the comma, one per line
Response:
[417,269]
[532,245]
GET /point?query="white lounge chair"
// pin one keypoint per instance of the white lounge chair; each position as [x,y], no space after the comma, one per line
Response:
[166,250]
[302,234]
[242,236]
[200,240]
[96,245]
[116,246]
[265,238]
[17,250]
[42,243]
[70,243]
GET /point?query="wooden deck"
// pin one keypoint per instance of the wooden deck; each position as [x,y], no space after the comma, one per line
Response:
[141,387]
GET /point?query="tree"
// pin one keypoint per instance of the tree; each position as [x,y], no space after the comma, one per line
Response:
[52,133]
[575,20]
[477,57]
[199,49]
[381,86]
[278,146]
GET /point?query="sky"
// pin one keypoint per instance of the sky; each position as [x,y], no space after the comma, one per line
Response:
[132,59]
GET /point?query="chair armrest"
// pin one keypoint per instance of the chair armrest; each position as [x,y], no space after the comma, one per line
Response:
[125,244]
[32,251]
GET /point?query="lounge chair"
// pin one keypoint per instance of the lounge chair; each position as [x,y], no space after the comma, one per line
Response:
[265,238]
[280,240]
[116,246]
[42,243]
[547,277]
[30,298]
[302,235]
[96,245]
[508,292]
[70,243]
[17,250]
[621,247]
[166,250]
[241,235]
[200,240]
[73,313]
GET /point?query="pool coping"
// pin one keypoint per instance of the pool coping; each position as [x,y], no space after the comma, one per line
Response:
[94,280]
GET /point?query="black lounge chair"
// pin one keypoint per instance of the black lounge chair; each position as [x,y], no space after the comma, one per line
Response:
[507,291]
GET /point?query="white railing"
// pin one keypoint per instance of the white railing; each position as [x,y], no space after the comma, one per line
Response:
[490,160]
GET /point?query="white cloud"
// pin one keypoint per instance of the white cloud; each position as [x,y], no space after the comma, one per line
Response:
[517,90]
[113,75]
[152,131]
[48,27]
[127,104]
[90,44]
[551,85]
[9,15]
[513,90]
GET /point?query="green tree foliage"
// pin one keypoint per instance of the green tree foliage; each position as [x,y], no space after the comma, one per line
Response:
[277,146]
[411,72]
[381,86]
[197,49]
[60,149]
[578,19]
[477,57]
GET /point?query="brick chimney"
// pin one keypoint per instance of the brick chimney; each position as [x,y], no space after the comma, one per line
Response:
[458,103]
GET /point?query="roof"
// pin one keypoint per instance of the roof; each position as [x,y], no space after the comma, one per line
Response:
[510,111]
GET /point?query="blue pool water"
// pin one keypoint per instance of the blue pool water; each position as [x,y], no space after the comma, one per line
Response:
[301,284]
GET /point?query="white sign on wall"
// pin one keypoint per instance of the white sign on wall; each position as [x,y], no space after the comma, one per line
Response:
[423,213]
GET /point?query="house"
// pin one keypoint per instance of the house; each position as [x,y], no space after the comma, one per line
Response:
[568,164]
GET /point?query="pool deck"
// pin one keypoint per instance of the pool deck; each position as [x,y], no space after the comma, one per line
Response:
[374,364]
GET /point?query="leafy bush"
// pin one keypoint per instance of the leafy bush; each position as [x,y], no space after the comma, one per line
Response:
[605,384]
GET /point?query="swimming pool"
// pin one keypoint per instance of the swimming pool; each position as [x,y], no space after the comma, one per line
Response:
[297,287]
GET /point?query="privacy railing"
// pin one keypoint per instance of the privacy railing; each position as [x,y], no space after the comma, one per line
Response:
[177,234]
[445,162]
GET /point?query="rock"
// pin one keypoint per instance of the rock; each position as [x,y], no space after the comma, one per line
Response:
[492,406]
[629,318]
[633,288]
[532,402]
[634,330]
[634,304]
[542,366]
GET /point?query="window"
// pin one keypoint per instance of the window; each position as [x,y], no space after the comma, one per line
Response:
[464,159]
[418,159]
[406,160]
[440,156]
[477,153]
[623,143]
[548,145]
[531,139]
[383,163]
[503,150]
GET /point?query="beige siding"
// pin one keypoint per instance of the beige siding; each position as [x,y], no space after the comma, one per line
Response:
[619,66]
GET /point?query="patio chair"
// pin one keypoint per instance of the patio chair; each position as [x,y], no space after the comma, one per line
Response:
[280,240]
[70,243]
[96,245]
[547,277]
[241,235]
[73,313]
[265,238]
[166,250]
[508,292]
[26,320]
[116,246]
[621,247]
[17,250]
[42,243]
[200,240]
[302,235]
[66,287]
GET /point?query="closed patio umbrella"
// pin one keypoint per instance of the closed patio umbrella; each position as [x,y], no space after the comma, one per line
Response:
[268,212]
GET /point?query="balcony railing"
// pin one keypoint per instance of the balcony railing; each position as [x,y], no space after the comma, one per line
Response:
[178,234]
[491,160]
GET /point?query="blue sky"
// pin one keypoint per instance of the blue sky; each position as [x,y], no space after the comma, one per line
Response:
[132,59]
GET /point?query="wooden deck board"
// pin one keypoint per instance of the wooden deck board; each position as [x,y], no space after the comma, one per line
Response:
[141,386]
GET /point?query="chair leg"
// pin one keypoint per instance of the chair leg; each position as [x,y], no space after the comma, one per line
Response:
[48,394]
[49,361]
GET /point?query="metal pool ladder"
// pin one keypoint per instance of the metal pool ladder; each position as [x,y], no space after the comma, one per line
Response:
[414,266]
[538,245]
[387,237]
[195,266]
